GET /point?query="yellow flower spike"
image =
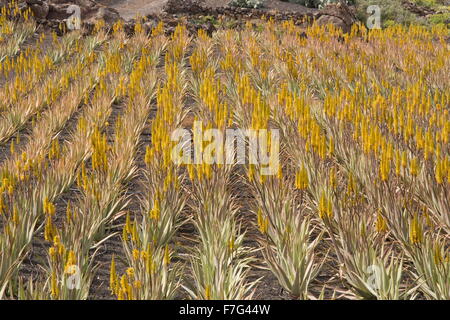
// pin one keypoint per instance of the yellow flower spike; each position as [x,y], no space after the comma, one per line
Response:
[397,163]
[52,253]
[138,28]
[332,180]
[231,244]
[61,249]
[15,215]
[381,225]
[280,172]
[144,255]
[5,182]
[322,147]
[54,286]
[2,203]
[124,284]
[448,175]
[51,209]
[121,295]
[384,168]
[404,160]
[330,209]
[130,273]
[136,254]
[260,218]
[439,171]
[207,292]
[302,179]
[414,167]
[71,259]
[12,148]
[323,206]
[437,255]
[49,229]
[148,156]
[137,284]
[45,205]
[167,255]
[68,212]
[134,234]
[124,234]
[113,276]
[128,223]
[70,268]
[415,230]
[265,227]
[155,211]
[149,264]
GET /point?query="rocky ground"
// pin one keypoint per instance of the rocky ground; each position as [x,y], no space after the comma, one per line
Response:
[194,13]
[129,9]
[54,13]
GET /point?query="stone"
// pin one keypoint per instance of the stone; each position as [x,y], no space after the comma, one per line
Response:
[88,4]
[183,6]
[31,2]
[40,11]
[109,15]
[336,21]
[338,14]
[58,12]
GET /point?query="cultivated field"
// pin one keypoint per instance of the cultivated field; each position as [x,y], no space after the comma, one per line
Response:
[93,205]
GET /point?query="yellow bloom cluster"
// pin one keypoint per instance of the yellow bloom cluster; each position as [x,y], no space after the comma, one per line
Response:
[63,264]
[100,151]
[127,286]
[415,230]
[325,206]
[169,108]
[229,63]
[263,222]
[198,60]
[12,9]
[50,231]
[301,179]
[253,99]
[429,140]
[29,67]
[210,91]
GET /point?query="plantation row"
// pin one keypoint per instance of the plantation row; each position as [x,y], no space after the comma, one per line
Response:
[359,207]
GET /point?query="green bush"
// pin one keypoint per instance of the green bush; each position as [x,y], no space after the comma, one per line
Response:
[442,18]
[392,12]
[434,4]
